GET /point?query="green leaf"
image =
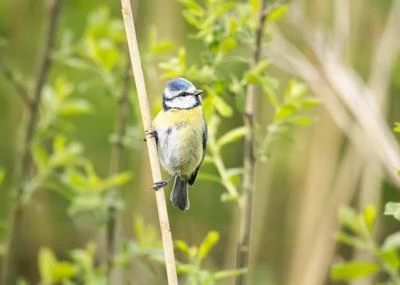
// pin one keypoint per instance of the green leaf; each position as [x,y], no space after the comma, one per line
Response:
[222,107]
[59,144]
[391,258]
[397,128]
[47,262]
[295,89]
[228,44]
[302,121]
[349,218]
[193,7]
[74,107]
[392,209]
[40,157]
[353,270]
[162,47]
[254,4]
[192,19]
[2,175]
[208,243]
[256,74]
[223,8]
[86,203]
[309,103]
[182,246]
[232,136]
[229,273]
[392,241]
[369,215]
[285,111]
[277,13]
[64,271]
[228,197]
[117,180]
[182,58]
[352,241]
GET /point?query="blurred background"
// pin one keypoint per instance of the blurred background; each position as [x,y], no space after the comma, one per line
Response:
[344,51]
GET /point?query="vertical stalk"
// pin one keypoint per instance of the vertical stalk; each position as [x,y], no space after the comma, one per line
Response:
[246,202]
[24,161]
[115,167]
[151,142]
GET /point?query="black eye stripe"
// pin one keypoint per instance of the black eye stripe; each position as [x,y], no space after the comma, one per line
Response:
[182,94]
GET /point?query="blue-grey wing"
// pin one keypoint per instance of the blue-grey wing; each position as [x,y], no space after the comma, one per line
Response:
[193,176]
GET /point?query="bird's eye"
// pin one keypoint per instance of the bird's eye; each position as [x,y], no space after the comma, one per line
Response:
[184,94]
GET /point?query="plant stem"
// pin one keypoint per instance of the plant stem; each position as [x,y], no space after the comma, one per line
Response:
[219,164]
[246,201]
[24,162]
[13,79]
[116,163]
[151,142]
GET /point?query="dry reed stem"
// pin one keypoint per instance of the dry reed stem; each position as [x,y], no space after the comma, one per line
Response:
[355,107]
[151,143]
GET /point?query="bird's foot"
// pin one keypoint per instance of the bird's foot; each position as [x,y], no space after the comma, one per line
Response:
[160,184]
[152,133]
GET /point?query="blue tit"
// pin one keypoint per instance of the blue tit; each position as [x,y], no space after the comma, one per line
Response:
[181,133]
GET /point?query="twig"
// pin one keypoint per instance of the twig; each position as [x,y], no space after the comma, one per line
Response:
[24,163]
[13,79]
[246,203]
[116,156]
[151,143]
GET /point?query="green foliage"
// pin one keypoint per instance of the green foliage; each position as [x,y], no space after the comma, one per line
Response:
[287,116]
[397,127]
[53,271]
[386,256]
[353,270]
[393,209]
[147,244]
[79,269]
[2,175]
[193,270]
[229,177]
[87,192]
[58,105]
[100,51]
[227,33]
[62,156]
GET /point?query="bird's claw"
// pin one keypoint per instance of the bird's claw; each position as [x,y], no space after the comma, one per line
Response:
[152,133]
[160,184]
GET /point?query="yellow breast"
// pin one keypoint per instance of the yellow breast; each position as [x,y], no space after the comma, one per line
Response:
[175,116]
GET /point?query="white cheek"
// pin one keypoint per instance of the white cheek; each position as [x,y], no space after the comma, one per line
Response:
[182,102]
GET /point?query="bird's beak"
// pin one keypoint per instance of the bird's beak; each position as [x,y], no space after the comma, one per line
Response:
[198,92]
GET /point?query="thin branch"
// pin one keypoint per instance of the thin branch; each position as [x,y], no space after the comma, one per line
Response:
[116,162]
[267,10]
[13,79]
[246,203]
[24,162]
[151,143]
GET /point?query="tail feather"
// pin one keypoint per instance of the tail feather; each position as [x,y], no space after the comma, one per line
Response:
[179,194]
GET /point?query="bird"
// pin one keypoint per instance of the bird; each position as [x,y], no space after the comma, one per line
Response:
[180,130]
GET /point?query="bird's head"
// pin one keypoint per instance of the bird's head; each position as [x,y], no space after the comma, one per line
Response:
[181,94]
